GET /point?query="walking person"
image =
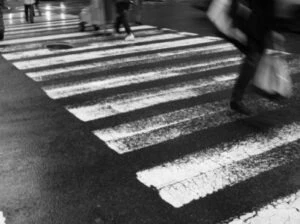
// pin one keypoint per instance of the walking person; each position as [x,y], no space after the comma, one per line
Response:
[259,25]
[138,11]
[29,10]
[36,4]
[2,27]
[122,7]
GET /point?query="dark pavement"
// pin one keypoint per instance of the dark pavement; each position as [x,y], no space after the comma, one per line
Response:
[53,169]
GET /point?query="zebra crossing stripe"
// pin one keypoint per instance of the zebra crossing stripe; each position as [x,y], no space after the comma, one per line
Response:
[27,31]
[127,102]
[77,42]
[34,26]
[143,133]
[118,80]
[75,70]
[92,46]
[77,57]
[63,36]
[197,175]
[283,210]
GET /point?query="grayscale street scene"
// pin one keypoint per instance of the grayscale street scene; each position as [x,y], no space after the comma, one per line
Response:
[144,123]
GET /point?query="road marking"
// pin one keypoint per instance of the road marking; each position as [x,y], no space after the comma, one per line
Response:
[29,31]
[77,57]
[74,70]
[86,40]
[62,36]
[127,102]
[91,46]
[137,135]
[283,210]
[103,82]
[33,26]
[195,176]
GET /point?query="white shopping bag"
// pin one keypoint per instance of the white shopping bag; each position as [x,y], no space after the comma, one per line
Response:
[218,13]
[273,76]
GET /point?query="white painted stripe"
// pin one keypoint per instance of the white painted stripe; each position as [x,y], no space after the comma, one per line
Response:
[127,102]
[62,36]
[42,25]
[90,46]
[76,42]
[27,31]
[118,80]
[284,210]
[77,57]
[151,131]
[82,69]
[197,175]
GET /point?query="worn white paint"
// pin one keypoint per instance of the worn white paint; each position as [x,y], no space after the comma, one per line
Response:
[62,36]
[118,80]
[126,102]
[76,57]
[2,218]
[41,25]
[195,176]
[128,137]
[37,30]
[74,70]
[284,210]
[90,46]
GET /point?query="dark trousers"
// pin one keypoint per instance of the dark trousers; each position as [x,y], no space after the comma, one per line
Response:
[122,17]
[259,26]
[29,13]
[2,27]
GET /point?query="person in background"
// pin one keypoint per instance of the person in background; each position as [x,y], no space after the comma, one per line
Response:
[259,25]
[138,15]
[122,7]
[29,10]
[2,27]
[37,2]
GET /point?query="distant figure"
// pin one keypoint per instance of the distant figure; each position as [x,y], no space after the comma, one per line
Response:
[2,27]
[138,11]
[122,7]
[37,2]
[29,10]
[258,29]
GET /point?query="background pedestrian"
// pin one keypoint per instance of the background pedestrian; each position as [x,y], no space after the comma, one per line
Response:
[122,8]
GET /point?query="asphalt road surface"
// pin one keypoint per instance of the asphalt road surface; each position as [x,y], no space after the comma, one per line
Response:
[115,132]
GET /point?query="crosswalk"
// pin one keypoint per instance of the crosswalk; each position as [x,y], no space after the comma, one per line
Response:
[144,87]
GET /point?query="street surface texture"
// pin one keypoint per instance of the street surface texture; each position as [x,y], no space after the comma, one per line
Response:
[116,132]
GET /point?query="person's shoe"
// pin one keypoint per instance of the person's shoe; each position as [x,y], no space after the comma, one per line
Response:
[129,37]
[240,107]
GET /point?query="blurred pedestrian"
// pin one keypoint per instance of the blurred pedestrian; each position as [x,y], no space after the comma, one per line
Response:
[29,10]
[259,25]
[138,11]
[36,4]
[2,27]
[122,7]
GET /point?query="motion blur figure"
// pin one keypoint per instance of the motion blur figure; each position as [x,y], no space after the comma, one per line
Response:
[122,7]
[257,28]
[29,10]
[2,27]
[36,4]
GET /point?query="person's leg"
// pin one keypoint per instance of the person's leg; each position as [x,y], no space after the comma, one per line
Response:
[118,18]
[138,16]
[26,12]
[2,27]
[31,10]
[124,7]
[247,72]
